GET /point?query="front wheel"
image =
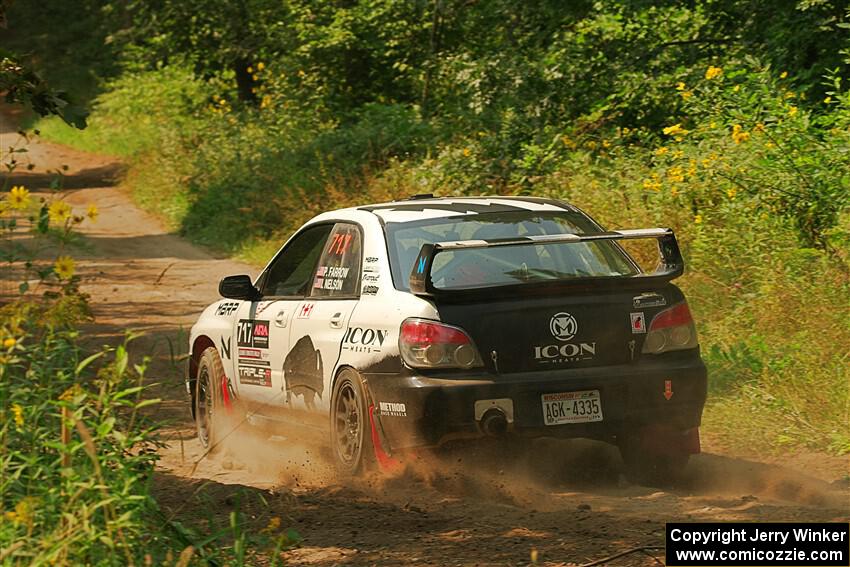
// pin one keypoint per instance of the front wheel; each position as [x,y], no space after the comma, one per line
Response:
[351,429]
[216,413]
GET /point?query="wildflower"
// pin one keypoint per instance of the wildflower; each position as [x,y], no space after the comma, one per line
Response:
[467,152]
[792,111]
[266,101]
[731,192]
[250,69]
[222,102]
[759,128]
[661,151]
[675,130]
[10,342]
[678,153]
[59,212]
[568,142]
[675,174]
[261,66]
[680,86]
[92,213]
[686,94]
[652,184]
[606,144]
[789,94]
[64,267]
[739,135]
[783,74]
[534,555]
[737,88]
[71,393]
[19,197]
[770,144]
[827,100]
[713,72]
[590,144]
[273,525]
[18,412]
[698,219]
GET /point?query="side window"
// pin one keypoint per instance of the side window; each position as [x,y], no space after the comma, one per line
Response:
[291,272]
[338,272]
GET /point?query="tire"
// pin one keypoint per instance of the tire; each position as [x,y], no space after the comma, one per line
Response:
[351,431]
[651,468]
[209,414]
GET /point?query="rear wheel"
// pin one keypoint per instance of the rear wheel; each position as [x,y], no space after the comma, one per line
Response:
[351,431]
[651,468]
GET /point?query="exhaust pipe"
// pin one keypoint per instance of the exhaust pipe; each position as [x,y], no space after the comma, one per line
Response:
[494,422]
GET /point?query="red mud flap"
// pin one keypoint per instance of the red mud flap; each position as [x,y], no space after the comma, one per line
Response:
[385,462]
[225,396]
[660,439]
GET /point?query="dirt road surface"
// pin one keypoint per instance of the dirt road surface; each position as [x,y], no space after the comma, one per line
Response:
[560,503]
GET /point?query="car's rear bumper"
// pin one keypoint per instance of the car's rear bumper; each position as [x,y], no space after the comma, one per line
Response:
[427,410]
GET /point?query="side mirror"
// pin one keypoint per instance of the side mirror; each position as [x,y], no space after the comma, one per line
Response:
[238,287]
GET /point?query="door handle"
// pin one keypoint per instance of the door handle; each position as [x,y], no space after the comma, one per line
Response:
[336,321]
[280,318]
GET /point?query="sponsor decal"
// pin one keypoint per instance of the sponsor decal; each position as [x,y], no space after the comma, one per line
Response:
[371,277]
[563,326]
[668,389]
[420,267]
[252,333]
[569,352]
[262,306]
[371,259]
[306,310]
[227,307]
[638,323]
[371,269]
[255,376]
[330,277]
[358,339]
[252,353]
[253,362]
[370,290]
[393,409]
[648,300]
[225,347]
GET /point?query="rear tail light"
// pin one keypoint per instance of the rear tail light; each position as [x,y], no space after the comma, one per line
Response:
[672,329]
[429,344]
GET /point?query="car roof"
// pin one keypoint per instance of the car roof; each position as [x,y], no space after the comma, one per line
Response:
[423,207]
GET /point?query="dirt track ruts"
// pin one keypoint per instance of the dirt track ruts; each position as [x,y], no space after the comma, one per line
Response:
[567,500]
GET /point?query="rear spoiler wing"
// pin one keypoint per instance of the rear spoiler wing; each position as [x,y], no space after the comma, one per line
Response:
[670,266]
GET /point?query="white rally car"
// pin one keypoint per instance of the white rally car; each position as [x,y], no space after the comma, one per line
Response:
[413,323]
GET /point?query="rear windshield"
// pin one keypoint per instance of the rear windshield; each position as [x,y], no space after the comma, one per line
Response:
[481,267]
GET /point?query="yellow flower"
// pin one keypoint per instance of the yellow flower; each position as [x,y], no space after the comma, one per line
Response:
[827,100]
[783,74]
[737,88]
[713,72]
[568,142]
[789,94]
[698,219]
[759,128]
[675,130]
[674,190]
[675,174]
[686,94]
[680,86]
[64,267]
[792,111]
[739,135]
[266,101]
[59,212]
[92,213]
[273,525]
[10,342]
[467,152]
[731,192]
[261,66]
[18,412]
[250,69]
[661,151]
[19,197]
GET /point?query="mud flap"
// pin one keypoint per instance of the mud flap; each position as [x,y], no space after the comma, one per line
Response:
[385,461]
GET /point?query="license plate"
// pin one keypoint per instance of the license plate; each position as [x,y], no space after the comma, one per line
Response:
[572,407]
